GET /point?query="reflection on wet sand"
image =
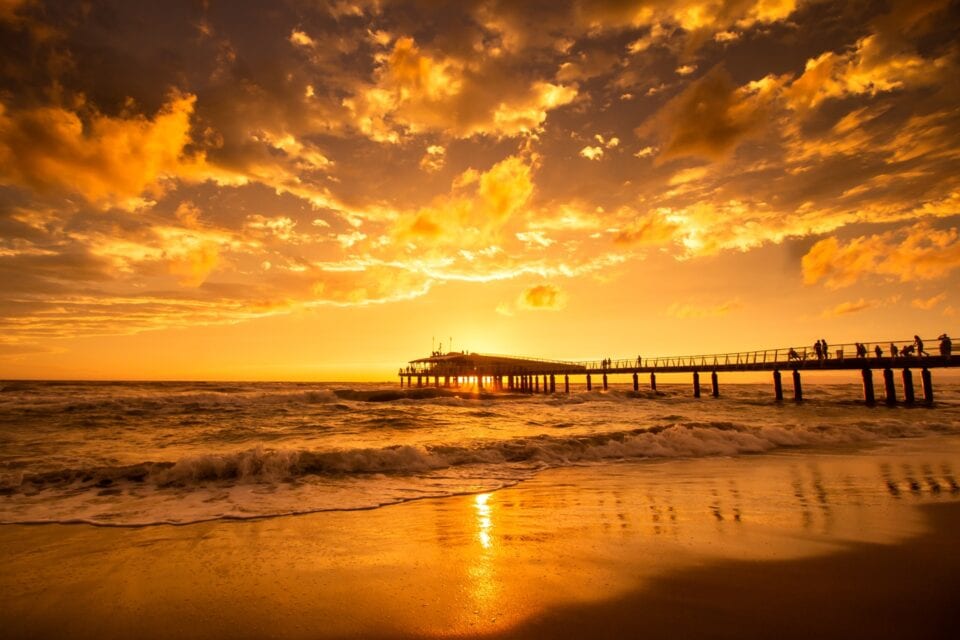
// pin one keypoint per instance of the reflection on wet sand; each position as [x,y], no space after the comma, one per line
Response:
[483,563]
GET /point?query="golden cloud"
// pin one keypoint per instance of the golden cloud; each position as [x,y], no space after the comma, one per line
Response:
[652,229]
[711,116]
[543,296]
[908,254]
[416,92]
[697,310]
[472,219]
[106,159]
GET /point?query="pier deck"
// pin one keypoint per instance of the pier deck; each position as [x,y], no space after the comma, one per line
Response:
[521,374]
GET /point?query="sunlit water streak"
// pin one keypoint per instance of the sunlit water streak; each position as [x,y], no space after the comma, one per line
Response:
[149,453]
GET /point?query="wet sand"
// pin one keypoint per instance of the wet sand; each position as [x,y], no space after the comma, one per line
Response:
[857,544]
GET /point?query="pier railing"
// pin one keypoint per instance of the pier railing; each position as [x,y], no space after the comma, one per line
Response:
[786,356]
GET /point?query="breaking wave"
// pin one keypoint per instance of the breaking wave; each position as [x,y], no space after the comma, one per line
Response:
[261,464]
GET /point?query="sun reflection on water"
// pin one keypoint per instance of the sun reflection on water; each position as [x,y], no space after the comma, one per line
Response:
[484,522]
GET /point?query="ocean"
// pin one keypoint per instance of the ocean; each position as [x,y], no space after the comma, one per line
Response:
[133,454]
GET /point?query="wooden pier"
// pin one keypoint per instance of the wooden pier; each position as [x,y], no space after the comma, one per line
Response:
[498,373]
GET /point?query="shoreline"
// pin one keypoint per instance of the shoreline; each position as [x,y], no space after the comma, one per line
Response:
[716,547]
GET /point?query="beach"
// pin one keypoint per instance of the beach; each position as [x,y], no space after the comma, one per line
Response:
[845,542]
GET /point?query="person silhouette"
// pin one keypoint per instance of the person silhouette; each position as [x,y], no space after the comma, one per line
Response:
[918,343]
[818,350]
[946,346]
[878,350]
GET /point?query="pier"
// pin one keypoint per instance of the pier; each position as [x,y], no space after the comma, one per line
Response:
[501,373]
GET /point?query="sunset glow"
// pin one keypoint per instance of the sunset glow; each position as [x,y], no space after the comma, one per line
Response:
[323,191]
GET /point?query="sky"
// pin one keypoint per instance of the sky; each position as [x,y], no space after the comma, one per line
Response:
[324,190]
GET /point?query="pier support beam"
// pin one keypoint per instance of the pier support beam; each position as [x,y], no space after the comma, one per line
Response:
[696,384]
[419,381]
[553,383]
[907,377]
[604,382]
[536,384]
[636,381]
[566,384]
[589,383]
[889,390]
[927,385]
[510,382]
[797,386]
[653,381]
[436,381]
[546,385]
[715,383]
[777,385]
[868,395]
[480,382]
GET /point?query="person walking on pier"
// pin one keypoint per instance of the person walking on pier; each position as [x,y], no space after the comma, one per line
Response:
[878,350]
[792,354]
[861,350]
[826,353]
[918,343]
[946,346]
[894,352]
[818,350]
[639,361]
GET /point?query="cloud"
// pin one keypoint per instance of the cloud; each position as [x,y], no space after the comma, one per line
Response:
[106,159]
[926,304]
[848,308]
[433,159]
[416,91]
[592,153]
[471,219]
[651,229]
[711,116]
[697,310]
[543,296]
[908,254]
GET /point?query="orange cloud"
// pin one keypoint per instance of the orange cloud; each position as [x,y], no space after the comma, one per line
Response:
[693,310]
[416,92]
[651,229]
[847,308]
[105,160]
[711,116]
[472,219]
[543,296]
[926,304]
[907,254]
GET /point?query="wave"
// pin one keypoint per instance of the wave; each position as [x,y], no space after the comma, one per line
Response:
[262,465]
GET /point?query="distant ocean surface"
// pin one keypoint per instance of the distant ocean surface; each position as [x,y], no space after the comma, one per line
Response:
[134,454]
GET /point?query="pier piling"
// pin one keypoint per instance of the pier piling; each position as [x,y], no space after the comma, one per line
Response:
[604,382]
[553,383]
[889,390]
[566,384]
[777,385]
[715,383]
[927,381]
[907,377]
[797,386]
[696,384]
[636,381]
[589,384]
[653,381]
[868,394]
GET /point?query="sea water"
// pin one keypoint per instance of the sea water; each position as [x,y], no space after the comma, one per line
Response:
[136,454]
